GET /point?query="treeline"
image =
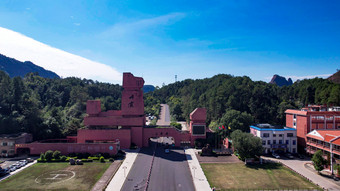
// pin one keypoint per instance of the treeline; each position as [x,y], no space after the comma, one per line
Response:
[50,108]
[239,101]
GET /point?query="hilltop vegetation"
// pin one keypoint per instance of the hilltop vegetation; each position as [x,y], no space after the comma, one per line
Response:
[226,96]
[50,108]
[55,108]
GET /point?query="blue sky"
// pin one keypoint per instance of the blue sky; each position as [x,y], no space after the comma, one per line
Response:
[191,39]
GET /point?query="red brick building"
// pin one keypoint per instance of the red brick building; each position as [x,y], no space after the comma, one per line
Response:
[311,118]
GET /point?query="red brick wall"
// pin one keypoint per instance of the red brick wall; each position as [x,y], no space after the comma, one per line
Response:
[124,136]
[67,148]
[289,120]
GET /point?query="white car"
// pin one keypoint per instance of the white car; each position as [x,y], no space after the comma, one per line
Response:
[276,155]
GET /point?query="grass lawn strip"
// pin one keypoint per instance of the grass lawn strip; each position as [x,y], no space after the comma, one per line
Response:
[85,177]
[266,176]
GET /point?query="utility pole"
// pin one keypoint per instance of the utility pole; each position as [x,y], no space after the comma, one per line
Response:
[175,78]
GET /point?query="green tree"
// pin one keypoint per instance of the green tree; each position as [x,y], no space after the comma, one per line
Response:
[246,145]
[236,120]
[318,161]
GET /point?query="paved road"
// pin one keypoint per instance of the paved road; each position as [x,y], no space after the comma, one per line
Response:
[138,175]
[164,116]
[169,171]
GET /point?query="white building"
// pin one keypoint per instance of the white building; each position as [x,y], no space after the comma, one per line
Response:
[275,138]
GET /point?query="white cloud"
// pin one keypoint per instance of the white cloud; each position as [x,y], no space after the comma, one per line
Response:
[124,28]
[23,48]
[294,78]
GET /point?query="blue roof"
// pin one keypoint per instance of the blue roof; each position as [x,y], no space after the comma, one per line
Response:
[268,129]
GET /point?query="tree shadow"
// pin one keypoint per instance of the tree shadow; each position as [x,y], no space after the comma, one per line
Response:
[265,166]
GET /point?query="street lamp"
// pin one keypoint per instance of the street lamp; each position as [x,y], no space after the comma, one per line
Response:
[124,167]
[194,168]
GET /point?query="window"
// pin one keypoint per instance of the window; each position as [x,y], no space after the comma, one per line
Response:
[268,142]
[294,124]
[287,142]
[274,141]
[263,142]
[294,142]
[294,116]
[4,151]
[10,144]
[280,141]
[4,143]
[265,134]
[290,134]
[280,135]
[274,135]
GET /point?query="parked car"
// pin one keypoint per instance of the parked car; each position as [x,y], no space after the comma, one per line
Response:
[3,172]
[276,155]
[29,160]
[288,155]
[301,156]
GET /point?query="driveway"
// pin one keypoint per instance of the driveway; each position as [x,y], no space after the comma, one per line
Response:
[164,116]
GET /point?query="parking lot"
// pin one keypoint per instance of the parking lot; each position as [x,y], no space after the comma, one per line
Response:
[12,166]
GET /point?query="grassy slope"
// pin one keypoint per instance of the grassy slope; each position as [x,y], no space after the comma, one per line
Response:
[268,176]
[86,176]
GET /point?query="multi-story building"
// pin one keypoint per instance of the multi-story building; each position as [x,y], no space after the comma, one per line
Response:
[311,118]
[8,141]
[276,138]
[324,140]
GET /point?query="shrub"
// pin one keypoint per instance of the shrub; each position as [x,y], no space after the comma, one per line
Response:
[63,158]
[72,154]
[176,125]
[106,155]
[79,155]
[93,158]
[40,160]
[49,155]
[86,160]
[86,155]
[111,160]
[42,156]
[56,154]
[102,159]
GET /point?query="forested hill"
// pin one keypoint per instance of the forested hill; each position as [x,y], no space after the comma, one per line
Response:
[238,101]
[16,68]
[50,108]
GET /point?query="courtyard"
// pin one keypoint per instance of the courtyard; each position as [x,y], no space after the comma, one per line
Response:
[56,176]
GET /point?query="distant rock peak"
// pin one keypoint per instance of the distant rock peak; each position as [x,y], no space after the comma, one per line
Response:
[281,81]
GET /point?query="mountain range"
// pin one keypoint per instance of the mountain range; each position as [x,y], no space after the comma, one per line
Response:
[16,68]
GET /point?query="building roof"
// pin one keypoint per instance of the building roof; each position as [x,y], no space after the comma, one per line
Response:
[12,136]
[269,127]
[325,135]
[305,113]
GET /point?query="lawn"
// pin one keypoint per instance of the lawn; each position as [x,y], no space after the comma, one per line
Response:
[56,176]
[266,176]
